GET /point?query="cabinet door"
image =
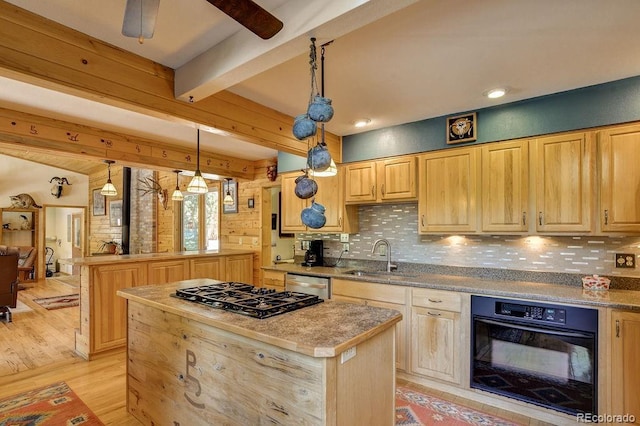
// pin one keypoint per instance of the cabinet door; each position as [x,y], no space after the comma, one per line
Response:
[435,344]
[625,374]
[397,179]
[239,268]
[620,179]
[273,279]
[360,182]
[207,267]
[331,197]
[505,187]
[564,187]
[168,271]
[291,205]
[401,333]
[448,191]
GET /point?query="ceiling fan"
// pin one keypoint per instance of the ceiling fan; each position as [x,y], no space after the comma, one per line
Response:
[140,17]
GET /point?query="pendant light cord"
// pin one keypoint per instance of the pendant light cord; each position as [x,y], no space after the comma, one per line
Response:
[198,151]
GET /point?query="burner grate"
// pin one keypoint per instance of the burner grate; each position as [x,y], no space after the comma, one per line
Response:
[246,299]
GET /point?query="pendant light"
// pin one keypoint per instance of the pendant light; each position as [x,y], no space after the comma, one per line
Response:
[177,194]
[197,184]
[108,189]
[228,199]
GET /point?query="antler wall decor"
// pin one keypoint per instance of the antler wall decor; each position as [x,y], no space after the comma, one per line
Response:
[56,189]
[151,186]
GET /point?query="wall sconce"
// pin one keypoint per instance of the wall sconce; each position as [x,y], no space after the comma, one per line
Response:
[228,199]
[108,189]
[177,194]
[251,203]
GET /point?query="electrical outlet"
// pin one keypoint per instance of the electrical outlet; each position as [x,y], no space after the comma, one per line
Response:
[625,260]
[344,238]
[345,247]
[305,244]
[347,355]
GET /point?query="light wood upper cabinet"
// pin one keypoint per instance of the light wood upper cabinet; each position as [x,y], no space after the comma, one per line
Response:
[291,206]
[448,191]
[564,183]
[392,179]
[340,218]
[505,187]
[625,375]
[619,150]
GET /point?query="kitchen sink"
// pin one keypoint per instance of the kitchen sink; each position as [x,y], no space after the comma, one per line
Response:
[367,273]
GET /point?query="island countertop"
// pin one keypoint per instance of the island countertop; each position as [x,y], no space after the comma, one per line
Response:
[323,330]
[107,259]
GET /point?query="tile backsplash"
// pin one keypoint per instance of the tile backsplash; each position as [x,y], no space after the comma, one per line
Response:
[398,223]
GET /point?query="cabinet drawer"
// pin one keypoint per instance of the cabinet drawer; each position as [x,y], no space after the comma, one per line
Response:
[371,291]
[437,299]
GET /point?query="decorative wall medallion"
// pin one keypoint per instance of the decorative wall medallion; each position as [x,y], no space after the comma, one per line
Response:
[462,128]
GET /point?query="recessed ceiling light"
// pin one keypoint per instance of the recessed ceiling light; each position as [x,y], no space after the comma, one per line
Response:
[496,93]
[362,122]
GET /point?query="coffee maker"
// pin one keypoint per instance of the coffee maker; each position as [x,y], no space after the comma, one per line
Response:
[313,255]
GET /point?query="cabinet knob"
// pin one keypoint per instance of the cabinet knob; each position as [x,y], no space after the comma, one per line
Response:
[540,218]
[434,300]
[373,190]
[433,314]
[422,220]
[524,218]
[382,189]
[617,328]
[606,217]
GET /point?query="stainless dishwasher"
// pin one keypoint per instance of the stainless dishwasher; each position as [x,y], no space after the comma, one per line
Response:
[310,284]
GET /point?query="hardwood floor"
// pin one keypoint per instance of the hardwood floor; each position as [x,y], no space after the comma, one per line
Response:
[37,350]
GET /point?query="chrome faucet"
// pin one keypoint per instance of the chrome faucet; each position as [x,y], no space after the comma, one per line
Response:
[390,266]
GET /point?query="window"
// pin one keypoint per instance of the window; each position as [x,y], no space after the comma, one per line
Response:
[200,221]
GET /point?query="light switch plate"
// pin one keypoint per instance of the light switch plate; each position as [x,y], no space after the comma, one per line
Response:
[344,238]
[347,355]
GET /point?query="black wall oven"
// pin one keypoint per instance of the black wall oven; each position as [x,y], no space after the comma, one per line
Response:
[535,352]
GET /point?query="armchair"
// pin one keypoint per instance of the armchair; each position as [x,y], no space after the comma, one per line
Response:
[8,284]
[26,262]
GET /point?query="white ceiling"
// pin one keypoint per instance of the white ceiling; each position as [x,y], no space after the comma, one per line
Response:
[428,59]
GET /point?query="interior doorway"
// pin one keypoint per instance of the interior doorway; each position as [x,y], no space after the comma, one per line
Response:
[64,237]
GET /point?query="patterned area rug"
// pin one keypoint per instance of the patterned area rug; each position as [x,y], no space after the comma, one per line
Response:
[417,409]
[58,302]
[52,405]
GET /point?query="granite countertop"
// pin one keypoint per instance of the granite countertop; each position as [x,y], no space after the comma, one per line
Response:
[322,331]
[515,286]
[120,258]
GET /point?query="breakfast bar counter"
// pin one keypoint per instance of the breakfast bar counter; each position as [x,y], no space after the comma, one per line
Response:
[188,363]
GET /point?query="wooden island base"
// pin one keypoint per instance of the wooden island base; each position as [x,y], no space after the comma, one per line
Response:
[189,364]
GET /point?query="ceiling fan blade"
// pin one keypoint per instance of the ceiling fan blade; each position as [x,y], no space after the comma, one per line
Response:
[252,16]
[140,18]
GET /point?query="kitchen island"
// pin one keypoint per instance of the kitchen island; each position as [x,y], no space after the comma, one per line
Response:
[103,315]
[327,364]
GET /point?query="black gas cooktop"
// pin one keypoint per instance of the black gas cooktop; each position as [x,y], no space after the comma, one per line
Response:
[257,302]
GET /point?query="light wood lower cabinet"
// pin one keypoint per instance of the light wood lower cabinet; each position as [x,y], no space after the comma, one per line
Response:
[273,280]
[436,347]
[102,312]
[625,374]
[379,295]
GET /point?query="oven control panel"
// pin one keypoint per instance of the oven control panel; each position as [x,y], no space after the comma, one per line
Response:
[539,313]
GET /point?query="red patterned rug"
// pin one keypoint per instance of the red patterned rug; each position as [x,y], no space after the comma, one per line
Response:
[52,405]
[417,409]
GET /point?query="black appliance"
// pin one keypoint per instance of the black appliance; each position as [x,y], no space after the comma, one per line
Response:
[535,352]
[313,255]
[257,302]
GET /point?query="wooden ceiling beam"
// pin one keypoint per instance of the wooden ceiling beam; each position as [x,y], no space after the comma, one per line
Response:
[56,136]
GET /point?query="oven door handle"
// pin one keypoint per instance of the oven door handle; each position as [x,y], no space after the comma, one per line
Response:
[307,285]
[535,330]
